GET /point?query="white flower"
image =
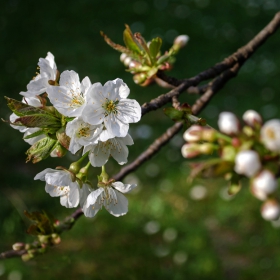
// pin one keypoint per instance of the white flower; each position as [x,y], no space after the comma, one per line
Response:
[110,197]
[40,83]
[32,101]
[247,163]
[270,135]
[115,147]
[252,118]
[70,97]
[109,104]
[228,123]
[59,183]
[82,134]
[270,210]
[265,182]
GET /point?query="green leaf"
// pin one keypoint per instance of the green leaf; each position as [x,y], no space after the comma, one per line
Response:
[44,225]
[130,41]
[41,149]
[37,133]
[30,116]
[173,114]
[155,46]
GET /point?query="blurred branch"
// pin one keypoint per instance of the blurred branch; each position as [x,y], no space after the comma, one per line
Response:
[36,247]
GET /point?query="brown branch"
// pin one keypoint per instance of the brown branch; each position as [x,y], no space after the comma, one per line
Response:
[240,55]
[151,151]
[214,87]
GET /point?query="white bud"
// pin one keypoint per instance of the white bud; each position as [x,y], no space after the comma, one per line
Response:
[247,163]
[127,60]
[265,182]
[193,133]
[252,118]
[228,123]
[257,193]
[123,57]
[270,210]
[270,135]
[190,150]
[181,40]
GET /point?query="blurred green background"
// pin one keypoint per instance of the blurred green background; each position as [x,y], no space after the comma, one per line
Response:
[173,230]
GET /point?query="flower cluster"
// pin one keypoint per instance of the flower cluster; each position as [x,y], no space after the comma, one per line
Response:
[86,117]
[251,149]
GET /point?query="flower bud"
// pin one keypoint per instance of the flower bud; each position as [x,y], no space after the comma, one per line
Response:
[265,182]
[206,148]
[126,61]
[190,150]
[123,57]
[139,78]
[270,210]
[228,123]
[193,133]
[247,163]
[134,64]
[270,135]
[252,118]
[26,257]
[181,41]
[18,246]
[257,193]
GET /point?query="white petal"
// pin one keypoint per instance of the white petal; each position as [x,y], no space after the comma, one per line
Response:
[129,111]
[93,114]
[120,208]
[120,154]
[85,85]
[74,194]
[124,188]
[70,80]
[115,126]
[85,191]
[42,174]
[64,201]
[37,87]
[35,139]
[93,196]
[58,178]
[98,156]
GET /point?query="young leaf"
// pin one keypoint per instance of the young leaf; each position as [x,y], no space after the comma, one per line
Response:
[130,41]
[173,114]
[41,149]
[35,134]
[155,46]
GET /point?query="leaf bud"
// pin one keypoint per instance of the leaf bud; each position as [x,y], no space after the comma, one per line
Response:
[270,210]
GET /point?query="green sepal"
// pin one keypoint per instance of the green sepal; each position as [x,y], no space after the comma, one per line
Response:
[63,139]
[130,41]
[37,133]
[43,224]
[234,188]
[41,149]
[173,114]
[154,47]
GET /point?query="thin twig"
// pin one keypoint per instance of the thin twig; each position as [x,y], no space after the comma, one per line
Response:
[240,55]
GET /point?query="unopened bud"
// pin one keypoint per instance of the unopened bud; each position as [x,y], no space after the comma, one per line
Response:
[181,41]
[123,57]
[56,238]
[265,182]
[26,257]
[18,246]
[190,150]
[206,148]
[228,123]
[126,61]
[270,210]
[247,163]
[193,133]
[139,78]
[134,64]
[270,135]
[252,118]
